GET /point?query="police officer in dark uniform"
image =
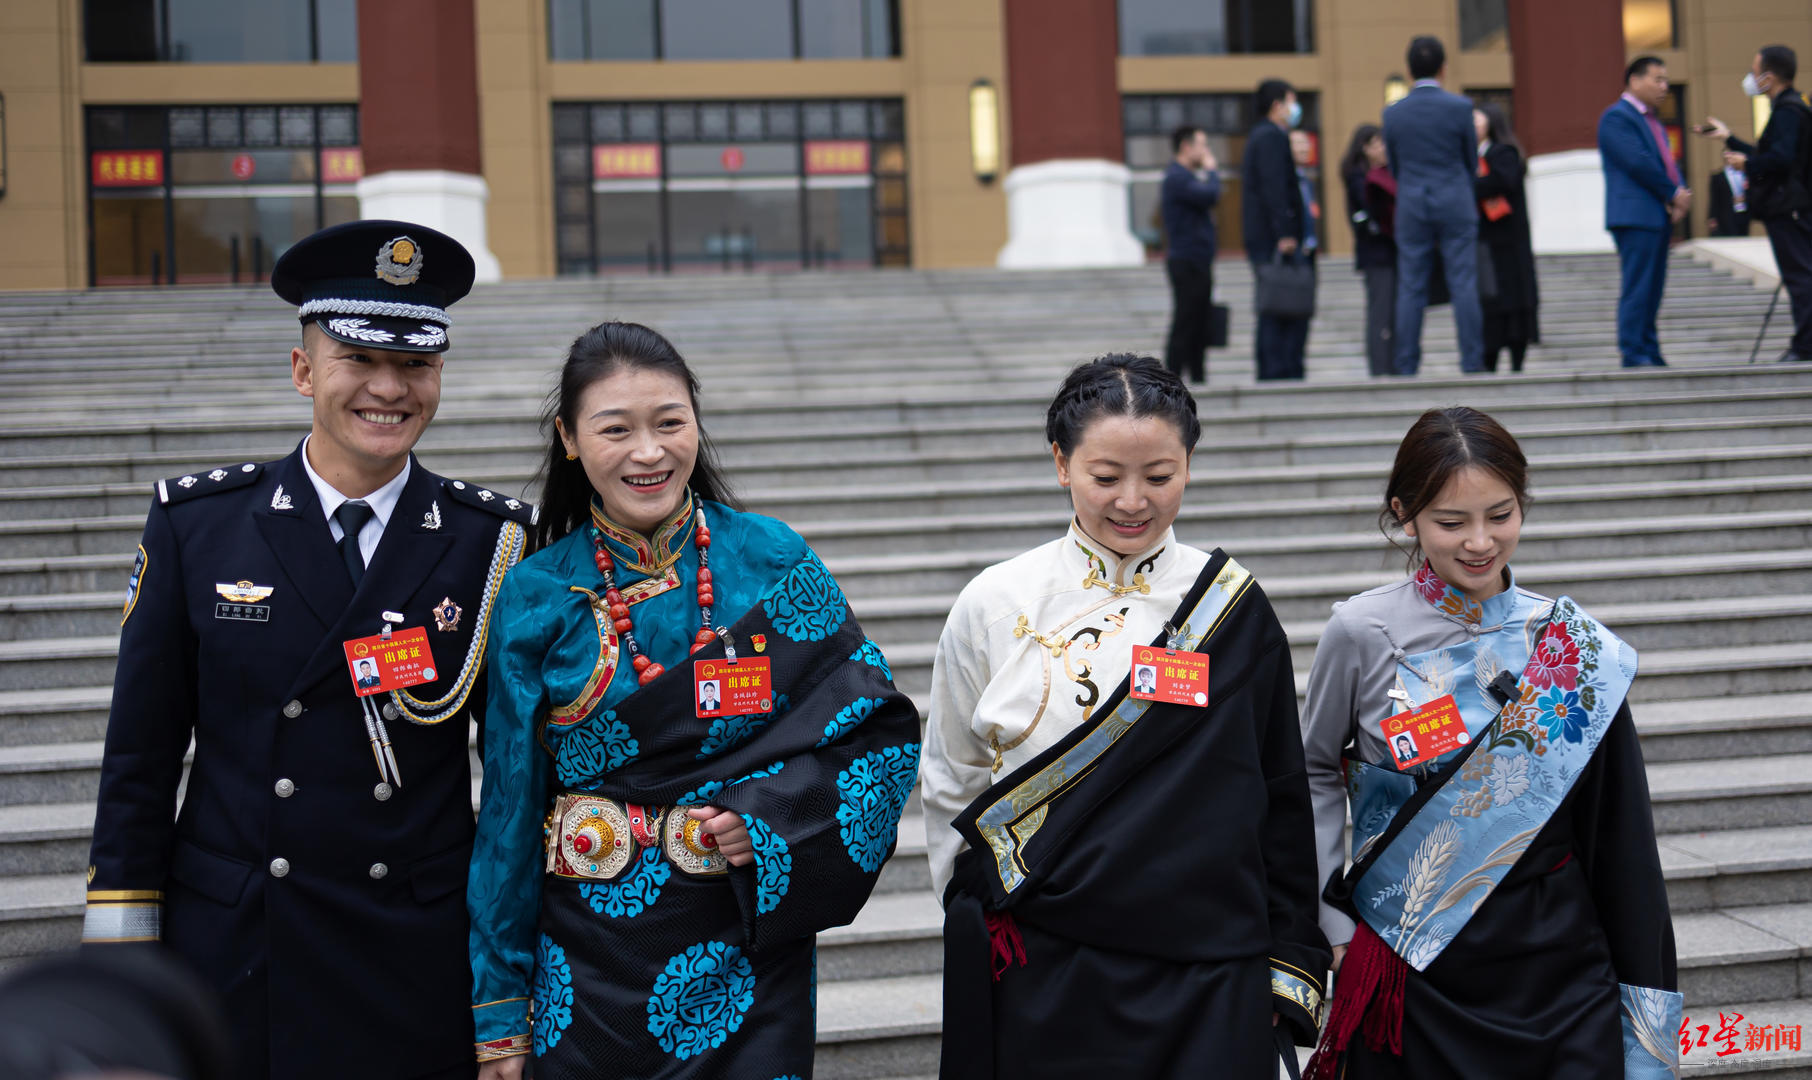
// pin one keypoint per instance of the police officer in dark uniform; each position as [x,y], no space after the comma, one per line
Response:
[315,871]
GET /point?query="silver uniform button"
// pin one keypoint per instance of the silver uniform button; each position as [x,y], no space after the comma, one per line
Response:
[382,792]
[378,870]
[390,710]
[279,867]
[285,788]
[293,709]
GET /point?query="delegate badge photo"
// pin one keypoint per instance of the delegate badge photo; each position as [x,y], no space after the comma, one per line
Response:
[1176,678]
[1423,734]
[379,666]
[742,688]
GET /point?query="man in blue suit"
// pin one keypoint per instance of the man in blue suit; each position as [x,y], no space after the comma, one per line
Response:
[1643,198]
[1433,149]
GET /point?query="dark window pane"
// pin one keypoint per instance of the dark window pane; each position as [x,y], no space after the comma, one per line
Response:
[1137,114]
[714,121]
[125,129]
[571,239]
[216,238]
[832,28]
[1170,113]
[566,30]
[120,30]
[223,127]
[339,125]
[607,123]
[1280,26]
[572,162]
[295,124]
[188,127]
[1171,27]
[628,233]
[620,29]
[1484,24]
[726,30]
[852,119]
[734,228]
[337,23]
[888,119]
[783,121]
[260,127]
[644,122]
[681,122]
[571,201]
[747,122]
[569,123]
[239,31]
[882,27]
[820,119]
[840,227]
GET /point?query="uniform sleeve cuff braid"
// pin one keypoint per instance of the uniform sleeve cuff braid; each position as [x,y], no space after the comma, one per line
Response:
[497,1049]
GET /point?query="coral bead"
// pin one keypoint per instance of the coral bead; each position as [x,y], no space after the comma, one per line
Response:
[624,626]
[704,576]
[704,598]
[619,611]
[641,663]
[651,673]
[698,648]
[705,637]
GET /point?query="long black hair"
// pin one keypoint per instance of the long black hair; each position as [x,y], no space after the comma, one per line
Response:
[1439,444]
[597,354]
[1497,127]
[1354,160]
[1119,384]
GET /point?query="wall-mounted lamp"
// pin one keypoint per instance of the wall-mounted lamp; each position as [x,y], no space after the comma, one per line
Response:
[1396,88]
[984,130]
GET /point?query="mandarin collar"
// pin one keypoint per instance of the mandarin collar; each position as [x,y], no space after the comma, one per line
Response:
[1092,561]
[1453,604]
[647,556]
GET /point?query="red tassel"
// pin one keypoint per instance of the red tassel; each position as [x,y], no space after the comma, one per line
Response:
[1005,945]
[1368,993]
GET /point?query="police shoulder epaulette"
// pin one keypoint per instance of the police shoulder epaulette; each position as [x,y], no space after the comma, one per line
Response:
[194,485]
[502,505]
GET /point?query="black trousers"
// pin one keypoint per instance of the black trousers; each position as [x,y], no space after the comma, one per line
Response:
[1791,238]
[1506,328]
[1279,345]
[1191,308]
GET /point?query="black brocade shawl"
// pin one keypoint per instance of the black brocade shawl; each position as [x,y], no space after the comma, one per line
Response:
[1173,835]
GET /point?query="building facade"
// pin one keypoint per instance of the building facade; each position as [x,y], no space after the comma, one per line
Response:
[150,142]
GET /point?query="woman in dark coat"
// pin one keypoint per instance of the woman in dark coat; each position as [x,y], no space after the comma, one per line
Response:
[1508,288]
[1370,199]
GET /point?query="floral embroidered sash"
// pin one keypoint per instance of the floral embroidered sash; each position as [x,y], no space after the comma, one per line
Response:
[1418,882]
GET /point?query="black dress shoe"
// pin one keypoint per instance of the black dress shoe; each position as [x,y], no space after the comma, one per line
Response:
[1790,355]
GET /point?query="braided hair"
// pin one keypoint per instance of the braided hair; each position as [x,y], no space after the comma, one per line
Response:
[1119,384]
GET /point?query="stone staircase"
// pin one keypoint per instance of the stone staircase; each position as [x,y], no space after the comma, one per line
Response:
[895,419]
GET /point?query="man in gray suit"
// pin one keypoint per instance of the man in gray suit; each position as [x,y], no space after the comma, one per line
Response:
[1434,154]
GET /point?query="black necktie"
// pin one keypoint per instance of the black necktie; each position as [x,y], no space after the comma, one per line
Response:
[352,517]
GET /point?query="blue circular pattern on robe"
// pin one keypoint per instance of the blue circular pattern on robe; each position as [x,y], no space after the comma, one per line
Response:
[590,749]
[773,865]
[630,896]
[729,732]
[700,999]
[807,605]
[874,790]
[848,718]
[553,994]
[871,654]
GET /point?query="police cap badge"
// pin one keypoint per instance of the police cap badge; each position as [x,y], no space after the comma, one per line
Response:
[385,284]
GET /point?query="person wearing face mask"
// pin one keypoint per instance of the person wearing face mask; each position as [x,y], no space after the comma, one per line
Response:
[1078,931]
[1778,168]
[1433,152]
[1275,220]
[313,874]
[1504,915]
[648,881]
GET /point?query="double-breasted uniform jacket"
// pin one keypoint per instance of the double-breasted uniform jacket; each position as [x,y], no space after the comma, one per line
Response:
[324,903]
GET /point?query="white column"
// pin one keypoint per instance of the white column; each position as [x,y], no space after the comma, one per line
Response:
[1067,214]
[452,202]
[1566,203]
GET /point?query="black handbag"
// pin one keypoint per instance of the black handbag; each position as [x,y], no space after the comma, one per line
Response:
[1285,289]
[1219,319]
[1488,286]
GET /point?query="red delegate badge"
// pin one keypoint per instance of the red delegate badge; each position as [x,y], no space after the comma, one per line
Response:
[379,666]
[1177,678]
[722,688]
[1426,733]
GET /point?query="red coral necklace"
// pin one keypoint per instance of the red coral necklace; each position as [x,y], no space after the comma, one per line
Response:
[647,670]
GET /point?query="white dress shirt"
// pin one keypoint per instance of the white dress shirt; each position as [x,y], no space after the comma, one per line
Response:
[382,503]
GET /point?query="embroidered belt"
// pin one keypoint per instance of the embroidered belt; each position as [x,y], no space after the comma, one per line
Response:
[595,838]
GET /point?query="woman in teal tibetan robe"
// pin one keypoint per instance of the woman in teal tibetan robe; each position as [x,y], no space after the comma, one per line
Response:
[693,759]
[1505,914]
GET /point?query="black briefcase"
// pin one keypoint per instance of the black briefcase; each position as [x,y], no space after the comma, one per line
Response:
[1285,289]
[1219,318]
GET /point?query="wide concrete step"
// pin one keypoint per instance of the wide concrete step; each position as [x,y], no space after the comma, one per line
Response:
[1731,793]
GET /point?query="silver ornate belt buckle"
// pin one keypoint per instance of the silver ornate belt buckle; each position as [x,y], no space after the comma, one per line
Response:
[689,846]
[592,837]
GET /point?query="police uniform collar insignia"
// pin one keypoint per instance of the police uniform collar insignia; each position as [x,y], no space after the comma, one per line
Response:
[446,615]
[186,482]
[431,519]
[217,475]
[281,501]
[244,592]
[399,261]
